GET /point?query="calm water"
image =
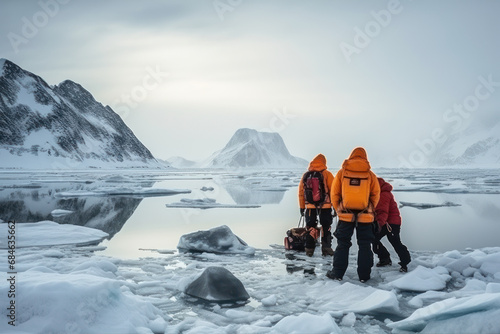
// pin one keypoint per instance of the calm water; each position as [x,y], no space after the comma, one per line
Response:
[137,224]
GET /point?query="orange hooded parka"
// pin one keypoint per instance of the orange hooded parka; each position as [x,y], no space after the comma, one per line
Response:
[357,162]
[317,164]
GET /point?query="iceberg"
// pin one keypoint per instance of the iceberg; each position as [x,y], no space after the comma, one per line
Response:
[216,240]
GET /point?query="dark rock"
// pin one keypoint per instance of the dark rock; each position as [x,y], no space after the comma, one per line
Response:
[217,284]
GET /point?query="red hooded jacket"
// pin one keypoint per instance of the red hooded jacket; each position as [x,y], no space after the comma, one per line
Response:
[387,210]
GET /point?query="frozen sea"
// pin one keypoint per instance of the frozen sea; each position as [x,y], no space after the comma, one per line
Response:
[131,278]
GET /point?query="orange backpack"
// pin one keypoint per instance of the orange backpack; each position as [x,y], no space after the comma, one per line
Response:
[355,190]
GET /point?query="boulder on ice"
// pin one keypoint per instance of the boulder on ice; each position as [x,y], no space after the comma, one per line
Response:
[216,240]
[217,284]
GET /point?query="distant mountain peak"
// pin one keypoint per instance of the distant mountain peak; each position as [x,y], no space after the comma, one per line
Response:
[478,145]
[249,148]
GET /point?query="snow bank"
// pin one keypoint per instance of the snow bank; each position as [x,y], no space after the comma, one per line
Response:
[423,279]
[216,240]
[77,303]
[49,233]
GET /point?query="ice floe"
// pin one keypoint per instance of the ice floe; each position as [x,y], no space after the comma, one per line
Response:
[206,203]
[122,191]
[60,212]
[49,233]
[423,206]
[216,240]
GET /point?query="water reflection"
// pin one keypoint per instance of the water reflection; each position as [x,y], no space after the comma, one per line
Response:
[147,224]
[32,204]
[259,187]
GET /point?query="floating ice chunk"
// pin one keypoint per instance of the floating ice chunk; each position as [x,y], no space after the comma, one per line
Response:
[216,240]
[60,213]
[423,206]
[493,288]
[206,203]
[462,264]
[423,279]
[348,320]
[114,191]
[49,233]
[490,265]
[269,301]
[426,297]
[307,323]
[348,297]
[217,284]
[456,310]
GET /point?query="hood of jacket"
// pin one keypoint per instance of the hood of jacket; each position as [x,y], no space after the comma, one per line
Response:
[318,164]
[358,161]
[384,186]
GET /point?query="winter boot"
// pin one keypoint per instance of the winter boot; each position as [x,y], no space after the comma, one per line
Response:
[331,275]
[327,251]
[309,251]
[404,268]
[384,262]
[326,245]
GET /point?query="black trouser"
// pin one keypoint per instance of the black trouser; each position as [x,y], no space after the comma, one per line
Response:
[395,240]
[325,219]
[365,237]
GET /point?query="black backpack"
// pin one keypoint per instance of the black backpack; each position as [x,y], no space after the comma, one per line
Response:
[314,188]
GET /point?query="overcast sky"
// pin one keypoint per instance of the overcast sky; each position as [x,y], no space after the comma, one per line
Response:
[327,75]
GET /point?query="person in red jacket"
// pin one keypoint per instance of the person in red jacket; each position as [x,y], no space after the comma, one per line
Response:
[388,218]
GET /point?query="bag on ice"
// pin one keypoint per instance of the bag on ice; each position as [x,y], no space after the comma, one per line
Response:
[296,237]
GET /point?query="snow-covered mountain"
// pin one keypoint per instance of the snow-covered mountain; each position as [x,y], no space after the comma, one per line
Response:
[253,149]
[476,146]
[61,127]
[180,162]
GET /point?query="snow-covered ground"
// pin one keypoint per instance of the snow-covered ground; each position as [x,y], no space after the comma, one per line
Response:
[90,289]
[70,289]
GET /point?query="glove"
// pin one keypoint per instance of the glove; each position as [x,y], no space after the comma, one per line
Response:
[376,228]
[302,211]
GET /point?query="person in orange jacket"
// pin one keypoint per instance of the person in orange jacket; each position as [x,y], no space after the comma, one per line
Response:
[355,194]
[311,212]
